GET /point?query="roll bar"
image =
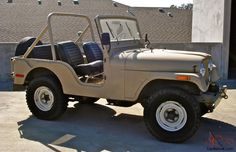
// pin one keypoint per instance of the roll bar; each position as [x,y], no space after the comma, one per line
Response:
[49,29]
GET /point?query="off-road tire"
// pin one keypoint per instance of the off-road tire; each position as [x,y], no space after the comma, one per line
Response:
[24,44]
[59,105]
[87,100]
[204,110]
[190,105]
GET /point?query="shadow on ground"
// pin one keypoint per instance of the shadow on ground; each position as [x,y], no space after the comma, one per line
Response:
[97,128]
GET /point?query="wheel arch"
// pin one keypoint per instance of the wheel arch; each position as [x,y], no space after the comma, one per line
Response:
[187,86]
[40,72]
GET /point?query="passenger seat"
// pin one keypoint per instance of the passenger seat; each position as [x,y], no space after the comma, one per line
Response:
[70,53]
[93,52]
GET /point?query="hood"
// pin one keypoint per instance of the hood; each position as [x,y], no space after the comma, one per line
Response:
[162,60]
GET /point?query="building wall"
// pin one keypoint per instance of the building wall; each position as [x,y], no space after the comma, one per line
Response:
[226,37]
[208,21]
[7,50]
[16,24]
[211,24]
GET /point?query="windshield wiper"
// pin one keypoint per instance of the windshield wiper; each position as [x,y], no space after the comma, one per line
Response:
[130,32]
[112,34]
[109,28]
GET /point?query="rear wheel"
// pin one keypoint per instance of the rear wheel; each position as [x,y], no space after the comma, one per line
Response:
[171,115]
[45,98]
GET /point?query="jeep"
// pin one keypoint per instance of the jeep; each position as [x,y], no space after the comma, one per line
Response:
[174,87]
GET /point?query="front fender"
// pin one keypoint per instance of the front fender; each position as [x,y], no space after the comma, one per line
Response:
[144,78]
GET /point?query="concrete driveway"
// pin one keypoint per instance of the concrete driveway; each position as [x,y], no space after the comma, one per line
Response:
[105,128]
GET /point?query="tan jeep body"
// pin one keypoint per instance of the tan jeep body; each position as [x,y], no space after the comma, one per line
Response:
[127,72]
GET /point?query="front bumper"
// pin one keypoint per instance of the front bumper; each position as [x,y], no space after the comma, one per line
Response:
[213,96]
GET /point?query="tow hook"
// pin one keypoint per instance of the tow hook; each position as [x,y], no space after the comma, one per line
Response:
[223,91]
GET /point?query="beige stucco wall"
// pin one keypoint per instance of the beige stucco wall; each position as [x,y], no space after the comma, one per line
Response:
[208,21]
[211,24]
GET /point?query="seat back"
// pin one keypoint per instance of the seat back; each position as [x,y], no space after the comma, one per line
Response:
[92,51]
[42,52]
[70,53]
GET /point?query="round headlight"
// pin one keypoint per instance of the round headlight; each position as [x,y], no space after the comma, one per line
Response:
[202,70]
[210,65]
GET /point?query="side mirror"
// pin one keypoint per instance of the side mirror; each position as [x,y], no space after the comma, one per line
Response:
[105,39]
[146,41]
[106,42]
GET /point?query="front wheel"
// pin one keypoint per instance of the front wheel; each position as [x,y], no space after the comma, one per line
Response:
[172,115]
[45,98]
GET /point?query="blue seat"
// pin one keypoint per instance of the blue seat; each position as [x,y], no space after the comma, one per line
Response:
[70,53]
[92,51]
[42,52]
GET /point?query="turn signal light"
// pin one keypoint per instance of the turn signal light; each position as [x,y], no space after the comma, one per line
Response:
[183,77]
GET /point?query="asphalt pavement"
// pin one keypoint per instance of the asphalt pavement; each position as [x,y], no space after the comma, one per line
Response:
[101,127]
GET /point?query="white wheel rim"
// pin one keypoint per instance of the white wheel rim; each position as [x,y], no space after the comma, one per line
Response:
[171,116]
[43,98]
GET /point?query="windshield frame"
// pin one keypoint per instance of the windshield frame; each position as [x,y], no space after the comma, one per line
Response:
[99,27]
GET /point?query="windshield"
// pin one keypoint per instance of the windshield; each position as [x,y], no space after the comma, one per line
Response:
[120,29]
